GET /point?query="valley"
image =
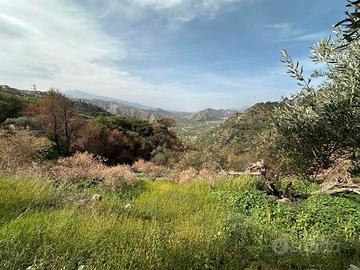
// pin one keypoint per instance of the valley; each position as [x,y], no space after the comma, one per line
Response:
[172,135]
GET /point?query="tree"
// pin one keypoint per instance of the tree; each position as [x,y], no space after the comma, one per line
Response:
[319,124]
[10,106]
[127,139]
[351,24]
[58,118]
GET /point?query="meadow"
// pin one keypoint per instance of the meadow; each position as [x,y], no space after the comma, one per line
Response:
[165,225]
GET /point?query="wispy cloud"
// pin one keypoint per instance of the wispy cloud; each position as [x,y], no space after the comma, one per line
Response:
[287,32]
[175,12]
[283,27]
[310,36]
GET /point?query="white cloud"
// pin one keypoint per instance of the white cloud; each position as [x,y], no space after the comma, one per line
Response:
[176,12]
[285,27]
[310,36]
[54,43]
[60,44]
[286,32]
[159,4]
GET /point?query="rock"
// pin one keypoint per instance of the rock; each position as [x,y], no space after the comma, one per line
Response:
[272,197]
[257,168]
[284,200]
[96,197]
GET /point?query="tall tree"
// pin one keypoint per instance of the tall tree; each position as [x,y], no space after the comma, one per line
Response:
[58,118]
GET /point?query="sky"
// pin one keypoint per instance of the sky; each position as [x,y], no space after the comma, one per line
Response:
[183,55]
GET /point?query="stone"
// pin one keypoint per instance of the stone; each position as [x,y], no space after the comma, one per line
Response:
[96,197]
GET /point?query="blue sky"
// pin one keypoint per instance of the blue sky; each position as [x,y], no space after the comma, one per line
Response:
[174,54]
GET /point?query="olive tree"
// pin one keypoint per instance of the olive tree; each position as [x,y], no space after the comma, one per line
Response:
[320,123]
[351,24]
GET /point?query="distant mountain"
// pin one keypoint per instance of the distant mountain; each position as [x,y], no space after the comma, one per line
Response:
[212,115]
[84,95]
[121,109]
[125,108]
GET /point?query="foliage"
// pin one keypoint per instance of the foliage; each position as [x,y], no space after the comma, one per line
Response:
[240,130]
[125,140]
[187,176]
[165,157]
[73,125]
[351,24]
[59,118]
[228,145]
[319,124]
[313,232]
[22,121]
[147,167]
[10,106]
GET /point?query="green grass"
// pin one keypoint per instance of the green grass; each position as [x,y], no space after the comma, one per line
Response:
[19,197]
[163,225]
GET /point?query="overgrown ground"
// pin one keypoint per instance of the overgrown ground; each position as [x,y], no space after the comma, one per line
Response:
[164,225]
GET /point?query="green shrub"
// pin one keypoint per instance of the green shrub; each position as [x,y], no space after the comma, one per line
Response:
[10,106]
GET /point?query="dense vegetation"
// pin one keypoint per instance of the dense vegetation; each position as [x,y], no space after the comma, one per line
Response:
[74,125]
[163,225]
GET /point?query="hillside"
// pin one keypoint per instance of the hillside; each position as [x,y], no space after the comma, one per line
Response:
[212,115]
[73,125]
[239,130]
[13,101]
[121,109]
[5,89]
[124,108]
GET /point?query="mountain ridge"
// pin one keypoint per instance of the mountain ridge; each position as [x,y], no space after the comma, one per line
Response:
[88,96]
[124,108]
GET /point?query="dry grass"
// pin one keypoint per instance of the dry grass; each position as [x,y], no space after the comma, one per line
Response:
[187,176]
[87,166]
[147,167]
[24,156]
[20,152]
[191,175]
[208,175]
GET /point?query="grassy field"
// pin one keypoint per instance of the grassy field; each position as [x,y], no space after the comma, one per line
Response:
[163,225]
